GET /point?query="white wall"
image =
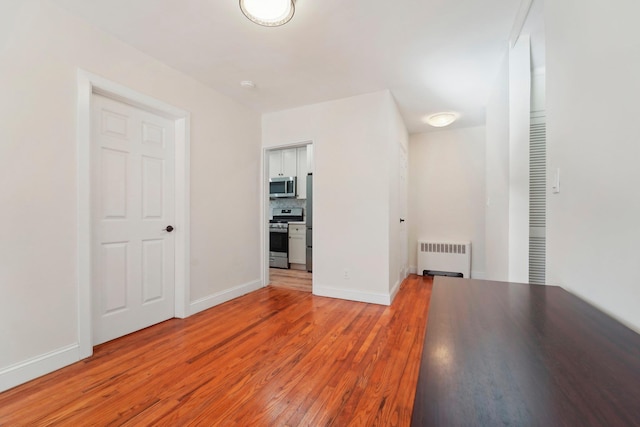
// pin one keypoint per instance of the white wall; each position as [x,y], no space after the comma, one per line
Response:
[593,228]
[350,190]
[519,125]
[447,191]
[38,259]
[497,178]
[538,91]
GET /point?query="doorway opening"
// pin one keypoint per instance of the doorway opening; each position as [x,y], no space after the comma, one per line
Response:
[289,216]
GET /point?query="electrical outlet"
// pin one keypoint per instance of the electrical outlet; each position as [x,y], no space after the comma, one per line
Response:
[346,274]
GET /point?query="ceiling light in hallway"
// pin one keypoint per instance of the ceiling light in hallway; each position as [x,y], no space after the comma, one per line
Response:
[439,120]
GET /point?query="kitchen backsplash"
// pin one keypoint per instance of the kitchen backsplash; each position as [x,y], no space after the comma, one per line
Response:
[287,203]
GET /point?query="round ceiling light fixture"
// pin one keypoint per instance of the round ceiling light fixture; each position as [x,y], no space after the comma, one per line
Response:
[268,13]
[440,120]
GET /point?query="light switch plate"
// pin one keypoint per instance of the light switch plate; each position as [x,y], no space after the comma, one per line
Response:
[555,185]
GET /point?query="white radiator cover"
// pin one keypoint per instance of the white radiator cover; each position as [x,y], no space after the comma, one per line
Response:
[453,257]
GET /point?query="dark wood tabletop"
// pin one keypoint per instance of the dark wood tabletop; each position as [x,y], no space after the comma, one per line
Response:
[498,353]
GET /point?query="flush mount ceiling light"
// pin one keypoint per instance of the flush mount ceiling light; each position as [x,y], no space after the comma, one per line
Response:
[440,120]
[268,13]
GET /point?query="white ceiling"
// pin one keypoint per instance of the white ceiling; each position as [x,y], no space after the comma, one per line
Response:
[433,55]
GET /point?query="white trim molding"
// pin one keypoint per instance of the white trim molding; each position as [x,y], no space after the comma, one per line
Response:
[395,289]
[352,295]
[35,367]
[481,275]
[519,21]
[224,296]
[88,84]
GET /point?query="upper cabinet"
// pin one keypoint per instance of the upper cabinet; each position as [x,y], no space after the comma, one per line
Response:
[283,163]
[292,162]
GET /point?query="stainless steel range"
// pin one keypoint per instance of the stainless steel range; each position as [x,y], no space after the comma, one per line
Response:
[279,235]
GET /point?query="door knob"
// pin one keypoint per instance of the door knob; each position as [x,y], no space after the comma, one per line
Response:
[169,229]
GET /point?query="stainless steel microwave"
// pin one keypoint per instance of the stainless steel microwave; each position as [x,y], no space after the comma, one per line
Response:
[282,187]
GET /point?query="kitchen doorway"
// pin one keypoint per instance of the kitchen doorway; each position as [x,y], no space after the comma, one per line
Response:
[292,279]
[289,216]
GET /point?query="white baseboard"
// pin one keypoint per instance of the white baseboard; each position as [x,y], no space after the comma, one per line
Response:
[35,367]
[38,366]
[394,290]
[413,269]
[478,275]
[351,295]
[224,296]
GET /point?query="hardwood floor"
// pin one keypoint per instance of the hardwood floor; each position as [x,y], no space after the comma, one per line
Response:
[292,279]
[273,357]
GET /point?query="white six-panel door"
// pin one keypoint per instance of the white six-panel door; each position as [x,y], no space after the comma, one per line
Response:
[132,204]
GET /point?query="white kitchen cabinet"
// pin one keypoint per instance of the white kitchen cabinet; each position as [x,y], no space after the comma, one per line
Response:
[302,172]
[283,163]
[310,158]
[297,243]
[275,164]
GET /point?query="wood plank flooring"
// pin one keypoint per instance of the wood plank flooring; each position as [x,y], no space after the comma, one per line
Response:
[276,356]
[292,279]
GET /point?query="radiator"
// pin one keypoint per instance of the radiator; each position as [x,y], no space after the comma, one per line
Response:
[446,258]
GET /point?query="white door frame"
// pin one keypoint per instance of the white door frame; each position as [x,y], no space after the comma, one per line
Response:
[88,84]
[264,224]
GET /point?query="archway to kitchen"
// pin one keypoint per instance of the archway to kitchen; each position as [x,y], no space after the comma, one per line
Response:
[288,216]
